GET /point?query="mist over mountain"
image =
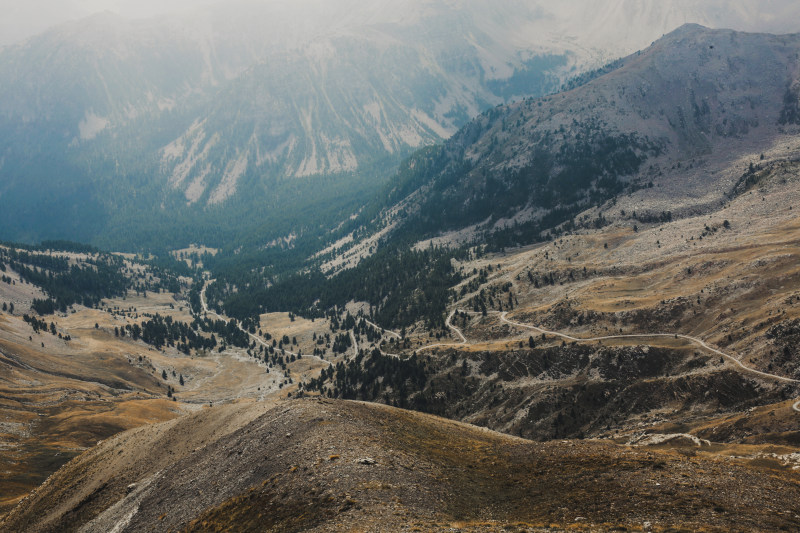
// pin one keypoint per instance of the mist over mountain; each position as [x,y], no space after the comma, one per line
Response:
[162,119]
[573,223]
[665,133]
[285,115]
[672,119]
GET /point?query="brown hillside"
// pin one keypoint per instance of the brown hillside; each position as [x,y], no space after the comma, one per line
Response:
[324,465]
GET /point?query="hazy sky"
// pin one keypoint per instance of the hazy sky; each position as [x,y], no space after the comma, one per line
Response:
[20,19]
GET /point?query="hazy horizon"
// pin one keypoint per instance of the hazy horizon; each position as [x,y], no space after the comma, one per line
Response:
[22,20]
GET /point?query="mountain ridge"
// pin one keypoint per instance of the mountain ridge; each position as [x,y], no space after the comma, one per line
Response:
[393,468]
[101,105]
[690,99]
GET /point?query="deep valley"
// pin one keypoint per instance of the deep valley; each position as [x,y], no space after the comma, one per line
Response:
[553,298]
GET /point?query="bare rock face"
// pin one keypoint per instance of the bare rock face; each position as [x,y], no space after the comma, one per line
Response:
[672,439]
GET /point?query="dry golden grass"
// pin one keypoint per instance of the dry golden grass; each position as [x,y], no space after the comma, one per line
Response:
[746,277]
[279,324]
[61,398]
[193,249]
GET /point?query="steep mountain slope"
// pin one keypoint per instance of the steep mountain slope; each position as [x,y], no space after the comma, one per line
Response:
[111,128]
[674,119]
[133,120]
[708,251]
[332,466]
[644,324]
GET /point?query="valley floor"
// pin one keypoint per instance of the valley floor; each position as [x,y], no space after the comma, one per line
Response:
[59,398]
[671,335]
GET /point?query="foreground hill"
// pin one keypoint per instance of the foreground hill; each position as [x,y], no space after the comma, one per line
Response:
[332,465]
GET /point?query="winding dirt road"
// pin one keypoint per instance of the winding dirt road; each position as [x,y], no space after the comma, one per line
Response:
[695,340]
[450,325]
[504,318]
[384,331]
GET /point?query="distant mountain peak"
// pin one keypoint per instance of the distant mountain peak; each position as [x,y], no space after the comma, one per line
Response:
[286,91]
[698,97]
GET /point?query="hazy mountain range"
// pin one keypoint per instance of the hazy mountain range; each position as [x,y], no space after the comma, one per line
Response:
[574,221]
[673,119]
[112,128]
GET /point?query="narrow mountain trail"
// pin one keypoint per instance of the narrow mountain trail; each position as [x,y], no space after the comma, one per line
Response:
[384,331]
[504,318]
[457,331]
[702,344]
[355,343]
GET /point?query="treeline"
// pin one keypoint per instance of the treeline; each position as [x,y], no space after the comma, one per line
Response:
[367,376]
[54,246]
[402,286]
[568,170]
[272,208]
[161,331]
[586,77]
[49,262]
[37,324]
[41,326]
[164,331]
[65,284]
[89,279]
[167,270]
[87,285]
[228,331]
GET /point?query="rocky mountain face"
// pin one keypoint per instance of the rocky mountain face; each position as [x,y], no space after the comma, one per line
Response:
[180,114]
[671,119]
[112,128]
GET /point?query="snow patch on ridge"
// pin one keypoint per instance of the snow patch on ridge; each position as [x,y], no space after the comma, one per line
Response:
[186,150]
[431,124]
[198,186]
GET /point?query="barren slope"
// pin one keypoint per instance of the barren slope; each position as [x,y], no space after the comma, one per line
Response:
[334,466]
